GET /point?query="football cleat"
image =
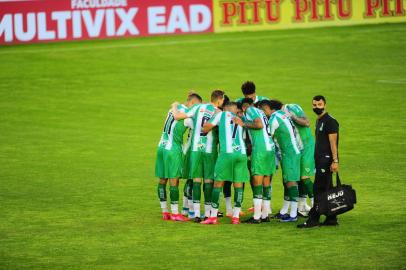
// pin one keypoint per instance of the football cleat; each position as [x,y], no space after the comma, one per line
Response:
[289,219]
[166,216]
[280,216]
[210,220]
[179,217]
[197,220]
[220,214]
[235,220]
[267,219]
[251,209]
[252,220]
[231,215]
[329,223]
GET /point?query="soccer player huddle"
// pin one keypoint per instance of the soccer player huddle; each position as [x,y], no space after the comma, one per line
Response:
[230,144]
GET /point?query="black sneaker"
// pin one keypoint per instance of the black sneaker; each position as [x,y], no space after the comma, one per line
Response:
[308,224]
[220,214]
[198,220]
[267,219]
[252,220]
[280,216]
[330,223]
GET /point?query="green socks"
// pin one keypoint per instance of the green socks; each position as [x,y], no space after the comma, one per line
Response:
[162,192]
[285,193]
[207,188]
[257,191]
[238,196]
[293,193]
[215,197]
[196,193]
[309,188]
[174,194]
[267,193]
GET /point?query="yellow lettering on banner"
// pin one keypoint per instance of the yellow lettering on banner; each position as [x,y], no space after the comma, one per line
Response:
[252,15]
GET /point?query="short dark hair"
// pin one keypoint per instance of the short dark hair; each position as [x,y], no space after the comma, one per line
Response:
[320,97]
[248,88]
[195,95]
[226,99]
[247,100]
[231,103]
[216,95]
[239,105]
[261,103]
[274,104]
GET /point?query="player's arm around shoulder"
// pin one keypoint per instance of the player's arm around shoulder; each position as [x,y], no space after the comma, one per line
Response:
[179,113]
[297,115]
[257,122]
[214,121]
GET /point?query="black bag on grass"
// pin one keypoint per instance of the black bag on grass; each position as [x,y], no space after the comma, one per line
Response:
[338,200]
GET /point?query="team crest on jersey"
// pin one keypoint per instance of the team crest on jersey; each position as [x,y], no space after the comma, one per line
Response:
[201,146]
[307,169]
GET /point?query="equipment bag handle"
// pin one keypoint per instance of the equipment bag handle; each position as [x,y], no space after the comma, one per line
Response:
[338,180]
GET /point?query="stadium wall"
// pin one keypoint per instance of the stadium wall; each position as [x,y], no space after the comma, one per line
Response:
[30,21]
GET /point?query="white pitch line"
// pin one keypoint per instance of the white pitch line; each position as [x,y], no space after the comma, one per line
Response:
[18,50]
[392,81]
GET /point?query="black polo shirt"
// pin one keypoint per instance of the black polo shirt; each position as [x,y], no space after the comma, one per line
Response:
[324,126]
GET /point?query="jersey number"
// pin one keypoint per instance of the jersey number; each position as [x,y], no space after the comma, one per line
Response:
[204,120]
[266,121]
[168,123]
[235,126]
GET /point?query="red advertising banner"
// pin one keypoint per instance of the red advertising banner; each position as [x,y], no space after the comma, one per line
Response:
[26,21]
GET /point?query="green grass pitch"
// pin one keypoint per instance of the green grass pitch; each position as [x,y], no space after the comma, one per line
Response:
[80,122]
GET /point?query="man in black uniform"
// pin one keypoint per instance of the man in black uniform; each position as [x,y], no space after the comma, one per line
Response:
[326,159]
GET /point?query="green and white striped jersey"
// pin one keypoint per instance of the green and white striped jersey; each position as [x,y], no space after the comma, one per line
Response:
[200,114]
[172,134]
[257,98]
[282,130]
[230,134]
[304,132]
[261,139]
